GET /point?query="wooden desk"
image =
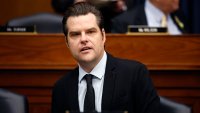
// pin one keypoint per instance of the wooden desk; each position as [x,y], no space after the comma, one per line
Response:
[30,64]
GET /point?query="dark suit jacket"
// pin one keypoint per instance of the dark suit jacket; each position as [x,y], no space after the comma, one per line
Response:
[137,16]
[127,86]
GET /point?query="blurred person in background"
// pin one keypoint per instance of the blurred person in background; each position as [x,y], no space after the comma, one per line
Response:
[60,6]
[108,8]
[151,14]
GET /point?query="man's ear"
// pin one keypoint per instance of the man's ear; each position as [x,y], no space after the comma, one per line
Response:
[103,34]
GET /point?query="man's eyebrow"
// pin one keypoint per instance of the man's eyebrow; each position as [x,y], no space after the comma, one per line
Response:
[93,28]
[74,31]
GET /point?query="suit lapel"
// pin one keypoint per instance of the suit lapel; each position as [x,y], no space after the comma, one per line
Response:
[142,19]
[178,22]
[109,84]
[73,93]
[140,16]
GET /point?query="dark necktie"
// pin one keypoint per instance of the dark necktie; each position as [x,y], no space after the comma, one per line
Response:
[89,103]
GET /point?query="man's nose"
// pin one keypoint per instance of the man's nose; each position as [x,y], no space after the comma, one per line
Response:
[83,36]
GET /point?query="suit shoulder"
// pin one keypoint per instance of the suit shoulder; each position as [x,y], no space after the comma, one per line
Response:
[135,16]
[65,79]
[130,68]
[130,14]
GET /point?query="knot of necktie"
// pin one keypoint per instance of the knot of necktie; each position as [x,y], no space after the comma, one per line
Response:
[88,78]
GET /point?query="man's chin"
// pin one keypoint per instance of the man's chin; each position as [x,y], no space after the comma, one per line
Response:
[86,60]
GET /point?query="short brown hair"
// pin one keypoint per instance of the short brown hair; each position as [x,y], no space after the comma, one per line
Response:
[81,8]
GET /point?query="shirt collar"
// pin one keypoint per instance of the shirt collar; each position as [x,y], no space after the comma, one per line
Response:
[98,71]
[153,11]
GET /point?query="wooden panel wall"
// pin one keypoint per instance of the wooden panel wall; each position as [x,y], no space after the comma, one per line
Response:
[10,9]
[30,64]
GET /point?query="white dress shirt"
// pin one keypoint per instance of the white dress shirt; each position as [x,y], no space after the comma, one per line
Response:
[154,17]
[97,82]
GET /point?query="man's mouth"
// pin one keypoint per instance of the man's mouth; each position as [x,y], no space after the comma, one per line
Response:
[85,48]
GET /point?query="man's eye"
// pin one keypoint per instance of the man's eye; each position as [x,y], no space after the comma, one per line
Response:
[91,32]
[74,34]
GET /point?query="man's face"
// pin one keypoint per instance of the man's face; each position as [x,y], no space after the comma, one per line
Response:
[169,6]
[85,39]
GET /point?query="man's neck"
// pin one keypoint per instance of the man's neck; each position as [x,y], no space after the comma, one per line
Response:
[89,66]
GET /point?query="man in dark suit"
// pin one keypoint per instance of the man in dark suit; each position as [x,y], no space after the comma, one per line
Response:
[117,84]
[151,14]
